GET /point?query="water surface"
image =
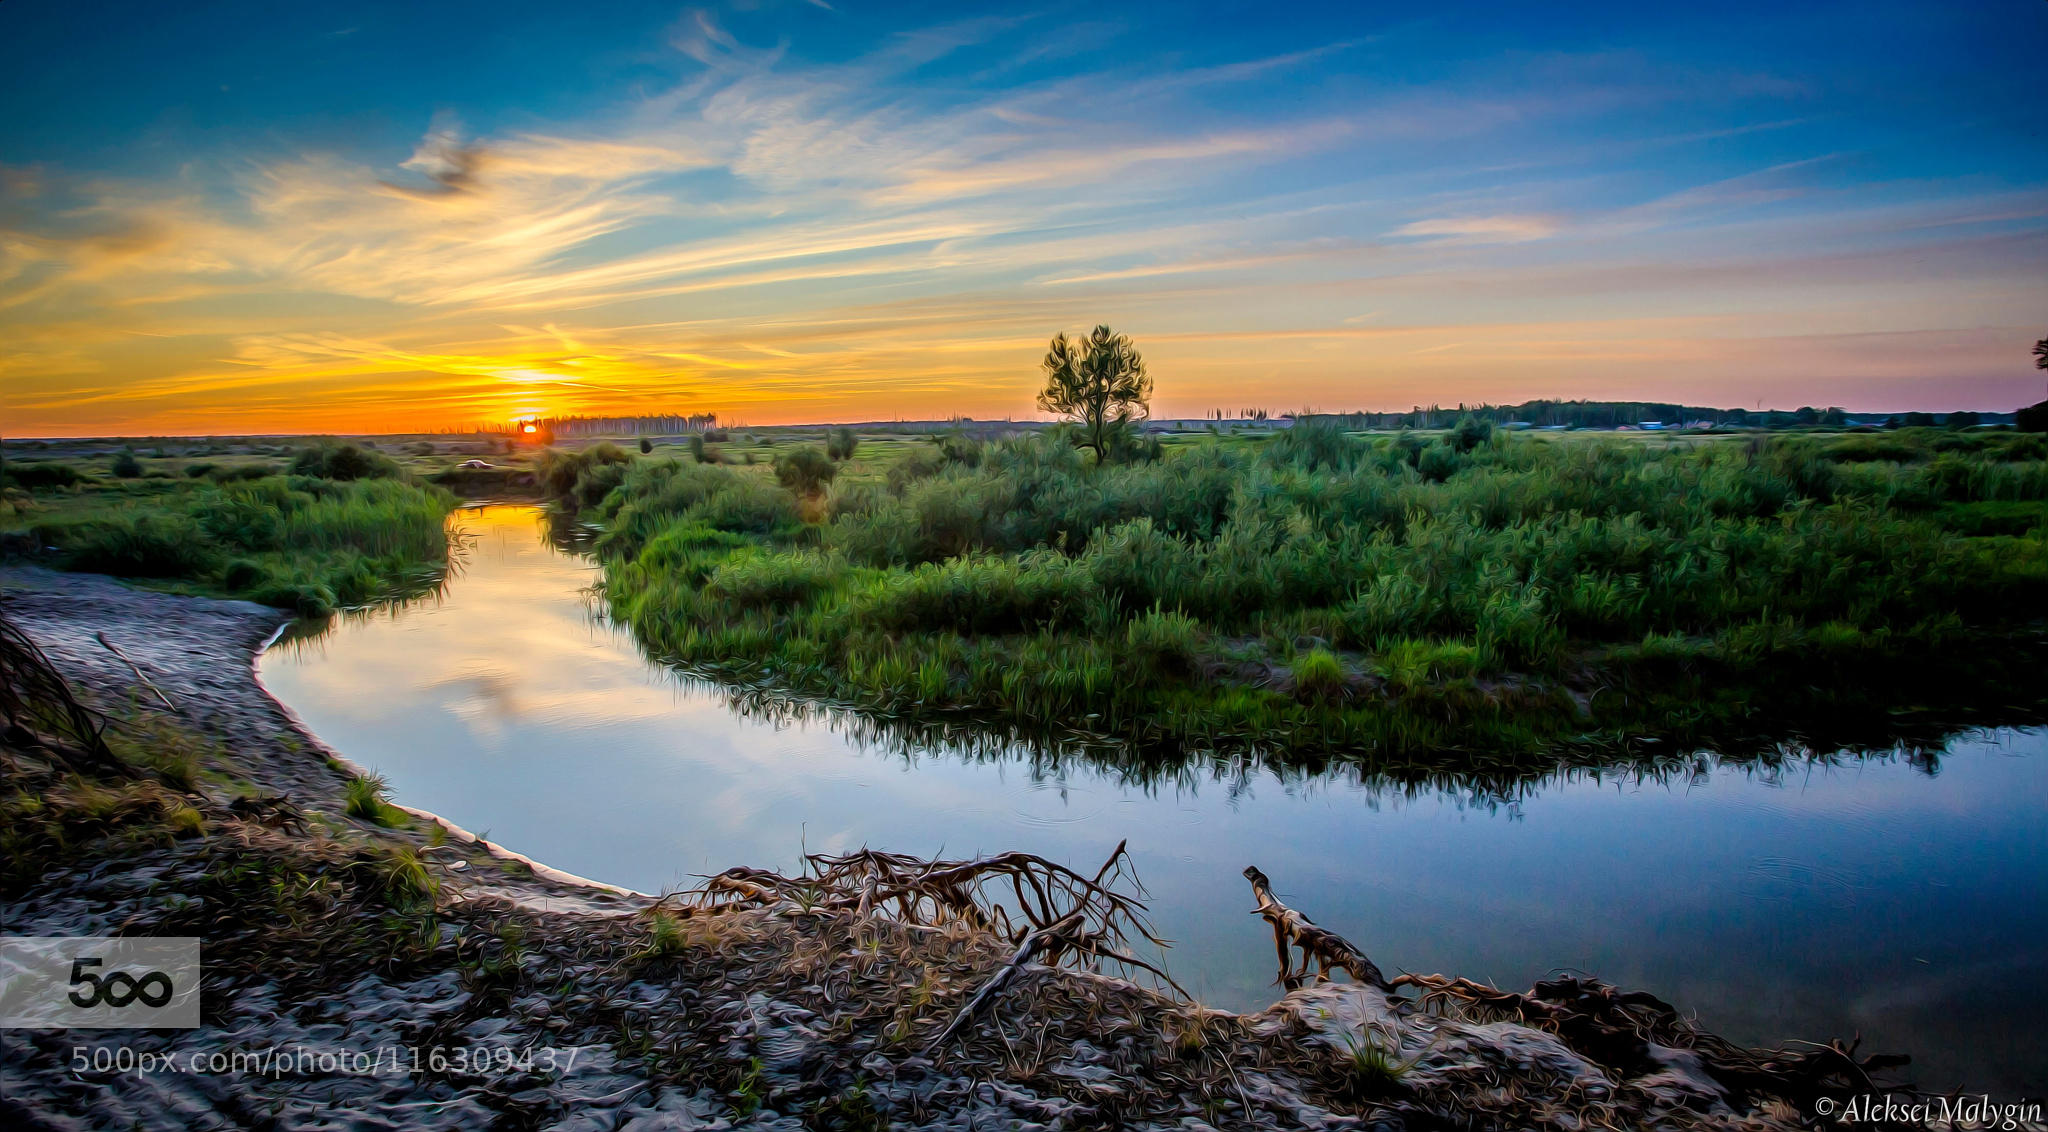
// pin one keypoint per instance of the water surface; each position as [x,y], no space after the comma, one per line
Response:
[1823,900]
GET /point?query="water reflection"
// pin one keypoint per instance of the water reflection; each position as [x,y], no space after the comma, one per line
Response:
[1779,894]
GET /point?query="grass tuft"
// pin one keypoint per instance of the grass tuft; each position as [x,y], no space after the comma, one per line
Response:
[364,794]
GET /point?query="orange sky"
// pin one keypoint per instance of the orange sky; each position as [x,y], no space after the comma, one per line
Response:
[778,240]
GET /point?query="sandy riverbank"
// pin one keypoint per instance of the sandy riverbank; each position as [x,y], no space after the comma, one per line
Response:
[772,1016]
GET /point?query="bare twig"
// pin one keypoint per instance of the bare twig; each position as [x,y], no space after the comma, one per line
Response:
[1037,941]
[137,669]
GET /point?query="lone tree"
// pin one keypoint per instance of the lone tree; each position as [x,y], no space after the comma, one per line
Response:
[1098,382]
[2034,418]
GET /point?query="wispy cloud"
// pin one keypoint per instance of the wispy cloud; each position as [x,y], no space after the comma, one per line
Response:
[780,239]
[1481,229]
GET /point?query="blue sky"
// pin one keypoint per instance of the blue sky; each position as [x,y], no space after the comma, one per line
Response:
[241,217]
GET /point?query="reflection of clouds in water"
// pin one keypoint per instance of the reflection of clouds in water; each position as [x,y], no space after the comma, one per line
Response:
[509,703]
[485,700]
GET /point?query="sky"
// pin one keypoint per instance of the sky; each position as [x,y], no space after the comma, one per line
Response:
[236,218]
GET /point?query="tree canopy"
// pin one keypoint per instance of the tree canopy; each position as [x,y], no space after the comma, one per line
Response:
[1098,381]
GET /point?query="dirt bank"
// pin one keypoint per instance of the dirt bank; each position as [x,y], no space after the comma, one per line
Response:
[774,1006]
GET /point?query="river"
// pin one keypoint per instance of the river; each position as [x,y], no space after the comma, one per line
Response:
[1899,898]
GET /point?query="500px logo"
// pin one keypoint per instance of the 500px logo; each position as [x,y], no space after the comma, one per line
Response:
[154,988]
[85,981]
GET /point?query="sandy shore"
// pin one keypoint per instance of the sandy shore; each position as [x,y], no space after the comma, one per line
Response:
[764,1018]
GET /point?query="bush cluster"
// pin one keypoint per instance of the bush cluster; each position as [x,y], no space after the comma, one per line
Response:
[1309,582]
[299,542]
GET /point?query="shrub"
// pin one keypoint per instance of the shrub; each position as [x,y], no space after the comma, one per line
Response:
[1438,462]
[655,495]
[646,446]
[986,595]
[959,448]
[307,599]
[855,499]
[581,479]
[242,472]
[1470,432]
[747,504]
[146,545]
[773,581]
[344,462]
[1312,445]
[43,474]
[244,575]
[1164,644]
[1857,449]
[1318,675]
[126,465]
[1413,664]
[1157,596]
[1393,605]
[1515,628]
[805,471]
[1130,445]
[841,443]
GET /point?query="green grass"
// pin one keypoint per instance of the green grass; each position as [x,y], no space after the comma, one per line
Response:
[303,542]
[363,796]
[1373,596]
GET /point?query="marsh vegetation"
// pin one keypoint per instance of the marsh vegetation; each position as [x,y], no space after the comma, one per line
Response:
[319,527]
[1318,590]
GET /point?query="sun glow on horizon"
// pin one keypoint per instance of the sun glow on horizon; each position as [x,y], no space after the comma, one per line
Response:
[882,221]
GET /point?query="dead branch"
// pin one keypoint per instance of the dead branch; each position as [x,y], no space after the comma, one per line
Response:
[1326,949]
[1611,1027]
[1021,897]
[1086,932]
[1037,941]
[137,669]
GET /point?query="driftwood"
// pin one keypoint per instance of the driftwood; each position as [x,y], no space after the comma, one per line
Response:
[1019,896]
[1054,915]
[1326,949]
[1609,1026]
[1068,935]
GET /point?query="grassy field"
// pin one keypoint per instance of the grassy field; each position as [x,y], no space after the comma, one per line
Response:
[309,528]
[1315,591]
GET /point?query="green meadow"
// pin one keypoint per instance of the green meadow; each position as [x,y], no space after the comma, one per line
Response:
[1326,593]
